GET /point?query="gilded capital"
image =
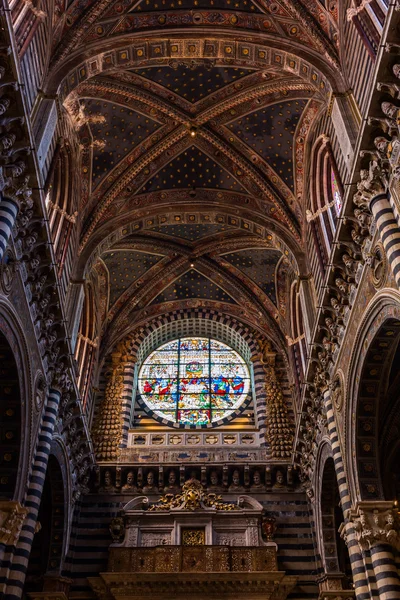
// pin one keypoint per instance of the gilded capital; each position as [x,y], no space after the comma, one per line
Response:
[12,516]
[376,523]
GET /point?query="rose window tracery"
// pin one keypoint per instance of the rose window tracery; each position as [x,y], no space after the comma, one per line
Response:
[194,381]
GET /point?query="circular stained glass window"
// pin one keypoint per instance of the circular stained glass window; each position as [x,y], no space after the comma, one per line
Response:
[194,381]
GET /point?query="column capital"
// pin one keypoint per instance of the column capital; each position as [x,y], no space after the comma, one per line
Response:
[376,522]
[12,516]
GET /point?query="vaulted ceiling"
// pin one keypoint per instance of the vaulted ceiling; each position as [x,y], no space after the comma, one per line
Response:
[193,117]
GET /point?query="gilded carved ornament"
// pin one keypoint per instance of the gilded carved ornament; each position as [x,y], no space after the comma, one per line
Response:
[192,497]
[279,433]
[12,516]
[107,431]
[376,523]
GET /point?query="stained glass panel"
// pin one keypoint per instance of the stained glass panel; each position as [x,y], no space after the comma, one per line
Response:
[194,381]
[337,196]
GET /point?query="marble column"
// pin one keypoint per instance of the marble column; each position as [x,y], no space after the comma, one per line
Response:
[20,559]
[8,213]
[356,560]
[377,530]
[389,231]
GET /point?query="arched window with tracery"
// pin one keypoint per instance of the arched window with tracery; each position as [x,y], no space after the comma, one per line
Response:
[194,381]
[86,345]
[326,199]
[368,18]
[297,341]
[61,210]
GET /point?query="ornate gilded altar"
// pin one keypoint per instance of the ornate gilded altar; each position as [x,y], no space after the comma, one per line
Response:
[192,544]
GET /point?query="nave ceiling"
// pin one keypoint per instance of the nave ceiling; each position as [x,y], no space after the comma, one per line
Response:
[192,118]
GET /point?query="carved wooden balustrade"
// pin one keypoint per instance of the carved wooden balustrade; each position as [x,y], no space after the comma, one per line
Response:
[192,559]
[165,572]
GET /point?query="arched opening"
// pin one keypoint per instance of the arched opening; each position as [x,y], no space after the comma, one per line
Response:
[61,207]
[389,431]
[378,416]
[298,344]
[325,205]
[47,549]
[10,420]
[335,555]
[85,350]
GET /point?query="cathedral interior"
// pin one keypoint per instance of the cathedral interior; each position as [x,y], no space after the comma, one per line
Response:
[199,299]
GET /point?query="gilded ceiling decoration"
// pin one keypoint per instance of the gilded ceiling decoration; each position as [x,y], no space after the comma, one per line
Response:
[192,146]
[193,285]
[192,169]
[121,131]
[260,266]
[149,5]
[270,133]
[192,232]
[125,267]
[193,82]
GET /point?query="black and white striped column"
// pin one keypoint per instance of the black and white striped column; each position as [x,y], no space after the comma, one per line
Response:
[20,560]
[8,213]
[360,578]
[386,575]
[389,231]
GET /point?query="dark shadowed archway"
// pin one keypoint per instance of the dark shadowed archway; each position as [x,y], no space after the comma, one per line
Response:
[10,420]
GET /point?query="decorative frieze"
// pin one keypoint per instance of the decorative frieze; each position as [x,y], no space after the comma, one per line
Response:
[164,479]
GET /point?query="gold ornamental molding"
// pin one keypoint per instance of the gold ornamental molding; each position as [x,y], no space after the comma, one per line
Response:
[192,497]
[12,516]
[273,585]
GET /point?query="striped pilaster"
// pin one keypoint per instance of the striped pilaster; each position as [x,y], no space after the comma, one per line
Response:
[386,574]
[389,231]
[8,213]
[356,560]
[261,402]
[20,560]
[127,399]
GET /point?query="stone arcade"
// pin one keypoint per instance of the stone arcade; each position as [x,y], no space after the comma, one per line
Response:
[199,299]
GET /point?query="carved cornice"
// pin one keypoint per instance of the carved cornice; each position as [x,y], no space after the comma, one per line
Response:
[265,585]
[33,251]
